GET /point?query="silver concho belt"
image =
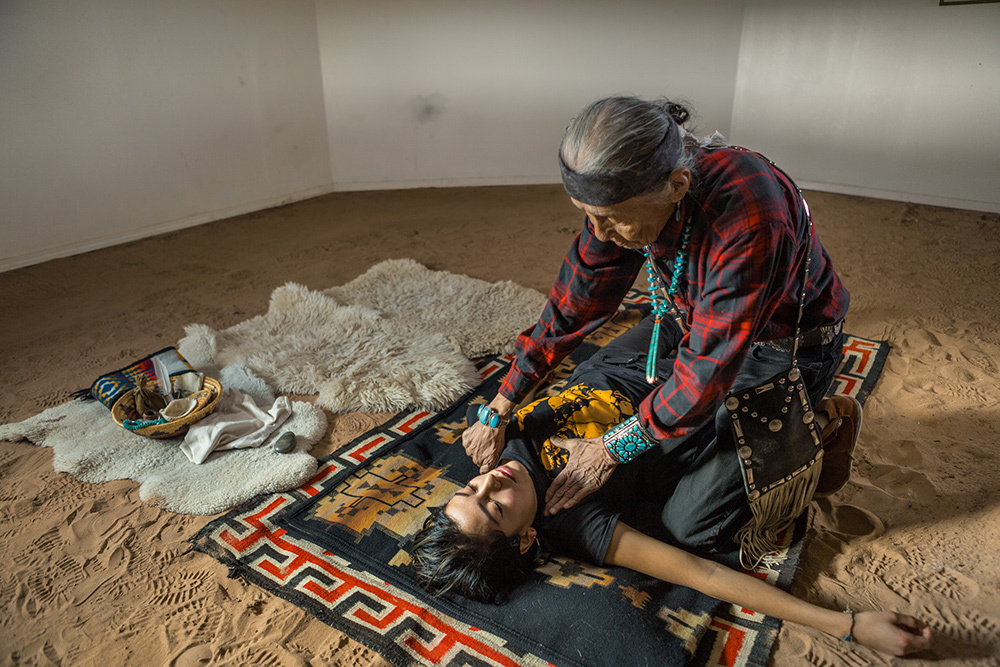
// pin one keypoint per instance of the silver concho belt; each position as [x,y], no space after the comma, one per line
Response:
[820,336]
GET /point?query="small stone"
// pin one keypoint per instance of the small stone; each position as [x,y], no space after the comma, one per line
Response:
[285,443]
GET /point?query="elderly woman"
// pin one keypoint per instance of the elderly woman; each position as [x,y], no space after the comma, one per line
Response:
[738,270]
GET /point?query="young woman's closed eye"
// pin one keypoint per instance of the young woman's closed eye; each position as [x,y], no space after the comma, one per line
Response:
[492,503]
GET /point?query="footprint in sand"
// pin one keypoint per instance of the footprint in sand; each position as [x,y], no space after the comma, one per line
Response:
[51,399]
[919,342]
[356,654]
[175,590]
[956,375]
[854,521]
[967,626]
[943,582]
[912,577]
[179,606]
[901,482]
[820,655]
[37,551]
[262,656]
[63,494]
[138,621]
[915,558]
[194,621]
[906,454]
[46,654]
[8,462]
[45,586]
[981,360]
[947,583]
[194,656]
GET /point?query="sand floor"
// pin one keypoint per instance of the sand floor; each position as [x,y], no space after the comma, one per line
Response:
[92,575]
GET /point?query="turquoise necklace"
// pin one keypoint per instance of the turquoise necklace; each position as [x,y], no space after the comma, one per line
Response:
[663,300]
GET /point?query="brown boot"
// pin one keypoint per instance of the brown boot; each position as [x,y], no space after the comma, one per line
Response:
[839,439]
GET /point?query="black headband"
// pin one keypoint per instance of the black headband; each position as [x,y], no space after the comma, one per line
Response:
[616,186]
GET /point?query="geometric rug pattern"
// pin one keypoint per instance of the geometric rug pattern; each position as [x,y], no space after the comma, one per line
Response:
[354,589]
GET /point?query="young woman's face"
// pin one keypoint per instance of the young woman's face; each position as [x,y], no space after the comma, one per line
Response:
[502,499]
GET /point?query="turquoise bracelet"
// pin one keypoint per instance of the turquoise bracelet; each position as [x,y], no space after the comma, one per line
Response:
[490,417]
[849,637]
[136,424]
[627,440]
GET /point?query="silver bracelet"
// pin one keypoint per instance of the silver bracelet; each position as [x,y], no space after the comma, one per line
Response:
[627,440]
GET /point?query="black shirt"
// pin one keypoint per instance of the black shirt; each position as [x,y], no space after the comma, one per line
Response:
[635,492]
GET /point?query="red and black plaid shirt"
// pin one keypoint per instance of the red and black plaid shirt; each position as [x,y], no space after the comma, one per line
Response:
[750,231]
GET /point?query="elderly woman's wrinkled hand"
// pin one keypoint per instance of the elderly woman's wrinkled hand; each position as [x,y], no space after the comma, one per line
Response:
[483,445]
[587,469]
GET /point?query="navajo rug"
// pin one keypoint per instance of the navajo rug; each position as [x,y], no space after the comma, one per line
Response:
[337,547]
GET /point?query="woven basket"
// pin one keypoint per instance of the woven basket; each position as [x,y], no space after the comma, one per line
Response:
[207,400]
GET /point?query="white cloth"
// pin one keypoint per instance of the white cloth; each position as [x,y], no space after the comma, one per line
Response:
[237,423]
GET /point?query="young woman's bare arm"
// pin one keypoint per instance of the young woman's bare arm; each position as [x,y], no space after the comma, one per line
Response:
[885,631]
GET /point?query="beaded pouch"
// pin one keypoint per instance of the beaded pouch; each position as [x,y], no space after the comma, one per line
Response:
[110,387]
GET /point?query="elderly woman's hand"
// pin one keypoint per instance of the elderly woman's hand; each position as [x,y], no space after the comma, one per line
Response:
[588,468]
[483,445]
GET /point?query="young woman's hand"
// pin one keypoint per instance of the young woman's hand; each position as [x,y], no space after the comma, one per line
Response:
[890,632]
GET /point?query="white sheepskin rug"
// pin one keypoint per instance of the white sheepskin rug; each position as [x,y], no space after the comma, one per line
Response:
[91,447]
[397,337]
[400,336]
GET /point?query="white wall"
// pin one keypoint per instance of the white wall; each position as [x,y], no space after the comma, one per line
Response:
[896,99]
[123,119]
[438,92]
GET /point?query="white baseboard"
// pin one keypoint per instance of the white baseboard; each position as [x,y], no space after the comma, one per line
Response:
[891,195]
[80,247]
[28,259]
[447,183]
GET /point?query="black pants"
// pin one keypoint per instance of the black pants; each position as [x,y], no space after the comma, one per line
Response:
[697,477]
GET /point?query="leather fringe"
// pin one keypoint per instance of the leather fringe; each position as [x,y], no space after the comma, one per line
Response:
[773,512]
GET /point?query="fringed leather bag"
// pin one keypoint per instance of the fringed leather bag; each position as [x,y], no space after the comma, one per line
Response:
[780,450]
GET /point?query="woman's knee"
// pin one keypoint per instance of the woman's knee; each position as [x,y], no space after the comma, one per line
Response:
[707,526]
[697,535]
